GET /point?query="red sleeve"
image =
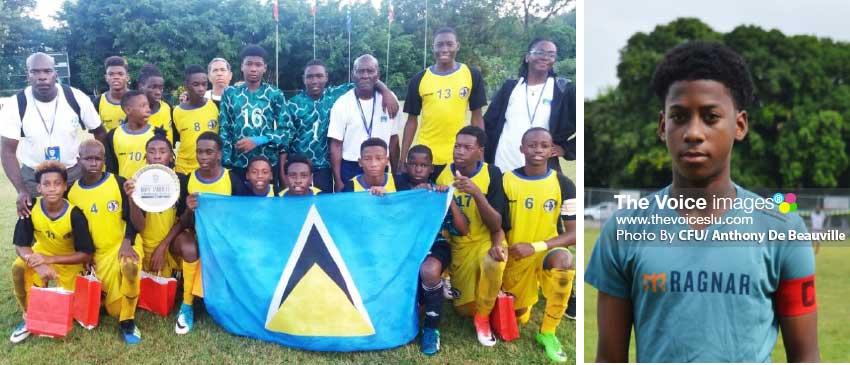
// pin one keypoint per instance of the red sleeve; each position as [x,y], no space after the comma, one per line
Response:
[796,296]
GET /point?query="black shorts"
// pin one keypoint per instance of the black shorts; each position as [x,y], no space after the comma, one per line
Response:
[441,251]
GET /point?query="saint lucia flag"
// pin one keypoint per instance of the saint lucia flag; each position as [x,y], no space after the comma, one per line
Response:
[333,272]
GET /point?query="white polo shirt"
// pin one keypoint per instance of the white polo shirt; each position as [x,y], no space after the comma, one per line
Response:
[527,107]
[347,123]
[39,119]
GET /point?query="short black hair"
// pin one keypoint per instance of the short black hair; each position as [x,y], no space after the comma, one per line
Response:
[315,62]
[297,158]
[445,30]
[115,61]
[147,72]
[420,148]
[478,133]
[699,60]
[159,134]
[211,136]
[256,159]
[194,69]
[253,50]
[532,130]
[48,167]
[373,142]
[129,95]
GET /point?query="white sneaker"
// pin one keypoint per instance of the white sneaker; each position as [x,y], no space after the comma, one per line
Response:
[21,333]
[482,329]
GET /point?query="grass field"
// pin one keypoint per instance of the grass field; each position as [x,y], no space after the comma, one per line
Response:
[833,312]
[209,343]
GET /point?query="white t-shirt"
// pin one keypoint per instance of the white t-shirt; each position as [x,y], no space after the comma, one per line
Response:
[817,220]
[38,142]
[521,107]
[347,123]
[209,95]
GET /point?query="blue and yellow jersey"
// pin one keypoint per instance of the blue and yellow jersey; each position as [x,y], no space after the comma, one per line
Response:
[441,101]
[188,125]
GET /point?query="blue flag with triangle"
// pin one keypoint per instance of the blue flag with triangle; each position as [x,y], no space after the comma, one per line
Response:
[332,272]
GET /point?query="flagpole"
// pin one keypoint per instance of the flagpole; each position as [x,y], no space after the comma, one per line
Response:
[348,26]
[276,45]
[425,46]
[389,35]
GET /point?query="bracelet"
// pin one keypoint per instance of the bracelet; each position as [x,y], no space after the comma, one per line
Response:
[540,246]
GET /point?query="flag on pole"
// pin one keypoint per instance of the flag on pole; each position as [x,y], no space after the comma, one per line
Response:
[313,9]
[276,17]
[391,15]
[312,279]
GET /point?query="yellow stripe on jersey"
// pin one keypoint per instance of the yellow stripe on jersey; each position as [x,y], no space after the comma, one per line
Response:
[312,191]
[389,183]
[478,231]
[102,204]
[53,236]
[162,118]
[130,149]
[445,101]
[220,185]
[189,124]
[110,114]
[534,205]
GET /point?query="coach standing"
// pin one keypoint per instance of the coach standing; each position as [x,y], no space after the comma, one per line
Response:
[357,116]
[40,124]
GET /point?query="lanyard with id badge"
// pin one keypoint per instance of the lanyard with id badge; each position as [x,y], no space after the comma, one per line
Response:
[51,152]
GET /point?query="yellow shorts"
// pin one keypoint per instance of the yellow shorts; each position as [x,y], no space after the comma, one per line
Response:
[168,266]
[523,278]
[67,275]
[108,270]
[465,270]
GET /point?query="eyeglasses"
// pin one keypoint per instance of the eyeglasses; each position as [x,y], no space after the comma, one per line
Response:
[536,53]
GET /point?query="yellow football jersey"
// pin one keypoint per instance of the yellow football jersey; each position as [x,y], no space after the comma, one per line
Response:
[54,236]
[441,100]
[125,150]
[162,118]
[537,205]
[488,178]
[110,113]
[389,183]
[313,191]
[61,235]
[188,125]
[103,205]
[221,185]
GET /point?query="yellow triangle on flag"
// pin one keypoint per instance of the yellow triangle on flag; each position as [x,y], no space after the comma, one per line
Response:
[319,307]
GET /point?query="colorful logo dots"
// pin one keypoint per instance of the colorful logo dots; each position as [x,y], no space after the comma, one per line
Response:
[787,203]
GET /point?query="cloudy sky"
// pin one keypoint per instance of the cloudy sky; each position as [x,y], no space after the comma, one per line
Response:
[609,24]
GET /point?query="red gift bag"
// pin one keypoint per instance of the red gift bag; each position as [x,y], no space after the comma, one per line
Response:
[157,293]
[87,301]
[49,311]
[503,318]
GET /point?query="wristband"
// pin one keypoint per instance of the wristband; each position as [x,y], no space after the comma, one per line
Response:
[540,246]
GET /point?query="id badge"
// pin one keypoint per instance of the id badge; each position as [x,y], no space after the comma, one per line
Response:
[52,153]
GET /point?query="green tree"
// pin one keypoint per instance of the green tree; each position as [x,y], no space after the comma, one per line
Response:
[797,124]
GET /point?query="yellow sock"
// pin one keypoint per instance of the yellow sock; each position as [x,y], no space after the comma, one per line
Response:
[20,284]
[489,283]
[525,317]
[130,285]
[556,289]
[189,270]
